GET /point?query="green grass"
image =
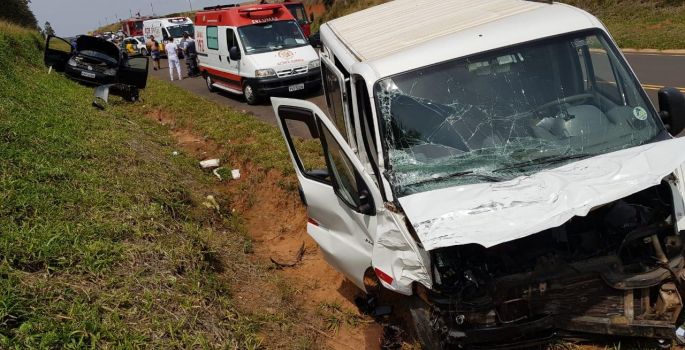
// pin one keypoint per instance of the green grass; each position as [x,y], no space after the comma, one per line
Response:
[104,240]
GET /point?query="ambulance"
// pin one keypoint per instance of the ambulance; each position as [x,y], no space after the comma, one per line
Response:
[164,29]
[255,51]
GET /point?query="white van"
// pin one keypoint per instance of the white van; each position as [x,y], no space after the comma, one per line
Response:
[256,51]
[498,163]
[164,29]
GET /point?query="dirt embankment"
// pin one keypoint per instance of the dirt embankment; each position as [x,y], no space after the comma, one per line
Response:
[276,221]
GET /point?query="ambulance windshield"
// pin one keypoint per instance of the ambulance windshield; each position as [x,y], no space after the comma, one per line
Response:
[273,36]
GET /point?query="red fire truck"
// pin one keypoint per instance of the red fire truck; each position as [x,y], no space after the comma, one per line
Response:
[300,13]
[133,26]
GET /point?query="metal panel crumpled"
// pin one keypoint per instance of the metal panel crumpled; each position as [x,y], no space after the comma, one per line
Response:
[492,213]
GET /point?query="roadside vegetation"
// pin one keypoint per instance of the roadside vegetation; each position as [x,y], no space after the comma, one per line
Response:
[107,236]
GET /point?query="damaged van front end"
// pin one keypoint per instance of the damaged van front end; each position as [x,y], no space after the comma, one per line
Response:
[541,200]
[516,262]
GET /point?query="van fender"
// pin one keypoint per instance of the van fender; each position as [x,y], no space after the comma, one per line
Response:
[396,258]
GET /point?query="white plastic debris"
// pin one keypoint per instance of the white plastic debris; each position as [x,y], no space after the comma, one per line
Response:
[174,153]
[209,163]
[235,173]
[216,173]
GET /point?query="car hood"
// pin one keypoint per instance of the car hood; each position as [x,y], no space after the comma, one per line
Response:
[492,213]
[285,59]
[86,42]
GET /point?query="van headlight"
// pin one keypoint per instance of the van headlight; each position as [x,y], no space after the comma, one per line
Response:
[72,62]
[314,64]
[110,72]
[264,73]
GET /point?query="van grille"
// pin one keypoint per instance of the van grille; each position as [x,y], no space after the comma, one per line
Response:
[293,71]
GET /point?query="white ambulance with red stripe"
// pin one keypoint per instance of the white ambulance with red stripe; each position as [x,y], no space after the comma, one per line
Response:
[255,50]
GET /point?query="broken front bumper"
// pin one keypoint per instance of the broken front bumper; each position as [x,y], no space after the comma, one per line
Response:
[586,297]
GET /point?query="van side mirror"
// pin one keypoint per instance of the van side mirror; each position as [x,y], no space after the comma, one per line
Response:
[672,109]
[234,53]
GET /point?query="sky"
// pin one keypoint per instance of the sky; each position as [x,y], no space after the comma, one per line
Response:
[72,17]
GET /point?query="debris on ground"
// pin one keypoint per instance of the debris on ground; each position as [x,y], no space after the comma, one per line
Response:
[368,305]
[209,163]
[211,203]
[298,259]
[175,153]
[235,173]
[221,173]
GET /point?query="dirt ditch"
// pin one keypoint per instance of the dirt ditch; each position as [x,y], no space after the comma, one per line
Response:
[276,222]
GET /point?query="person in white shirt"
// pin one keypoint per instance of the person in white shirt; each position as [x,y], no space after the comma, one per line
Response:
[172,58]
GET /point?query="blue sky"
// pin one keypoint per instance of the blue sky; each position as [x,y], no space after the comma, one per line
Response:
[71,17]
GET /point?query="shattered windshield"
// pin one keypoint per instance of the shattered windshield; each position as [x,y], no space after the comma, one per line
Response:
[510,112]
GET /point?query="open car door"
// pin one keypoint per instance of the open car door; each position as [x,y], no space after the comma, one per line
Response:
[133,71]
[57,52]
[341,198]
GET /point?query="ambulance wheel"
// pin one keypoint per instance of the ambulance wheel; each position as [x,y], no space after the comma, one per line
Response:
[250,94]
[209,81]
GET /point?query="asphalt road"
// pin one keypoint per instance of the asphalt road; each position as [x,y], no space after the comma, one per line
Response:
[653,70]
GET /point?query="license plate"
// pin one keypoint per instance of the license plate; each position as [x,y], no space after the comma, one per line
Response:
[296,87]
[88,74]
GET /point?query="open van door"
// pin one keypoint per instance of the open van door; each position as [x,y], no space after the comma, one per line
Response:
[341,198]
[57,52]
[133,71]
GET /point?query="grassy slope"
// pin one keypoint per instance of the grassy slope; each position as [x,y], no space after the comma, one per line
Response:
[104,240]
[655,24]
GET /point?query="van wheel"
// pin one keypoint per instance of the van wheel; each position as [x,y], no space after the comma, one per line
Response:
[209,81]
[250,94]
[420,326]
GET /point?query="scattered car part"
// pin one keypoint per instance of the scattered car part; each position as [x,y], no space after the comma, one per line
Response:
[210,163]
[127,92]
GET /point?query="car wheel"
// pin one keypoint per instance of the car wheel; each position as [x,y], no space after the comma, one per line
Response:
[210,83]
[143,52]
[250,94]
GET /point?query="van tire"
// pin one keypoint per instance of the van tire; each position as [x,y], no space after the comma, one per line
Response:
[209,82]
[251,96]
[420,328]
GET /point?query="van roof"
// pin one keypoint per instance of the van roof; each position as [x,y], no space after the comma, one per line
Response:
[238,16]
[395,26]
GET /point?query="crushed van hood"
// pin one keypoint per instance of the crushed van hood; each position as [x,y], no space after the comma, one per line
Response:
[492,213]
[87,42]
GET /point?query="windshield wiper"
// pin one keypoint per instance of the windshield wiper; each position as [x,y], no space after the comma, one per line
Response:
[459,174]
[545,160]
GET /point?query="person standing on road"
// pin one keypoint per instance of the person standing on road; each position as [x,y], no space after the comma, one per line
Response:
[172,59]
[154,51]
[189,51]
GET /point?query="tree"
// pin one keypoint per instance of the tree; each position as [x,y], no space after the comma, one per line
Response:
[18,12]
[47,29]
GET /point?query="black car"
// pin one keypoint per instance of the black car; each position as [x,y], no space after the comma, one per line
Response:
[95,61]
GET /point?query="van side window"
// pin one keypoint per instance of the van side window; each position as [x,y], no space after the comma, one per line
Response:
[213,38]
[231,40]
[334,99]
[346,179]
